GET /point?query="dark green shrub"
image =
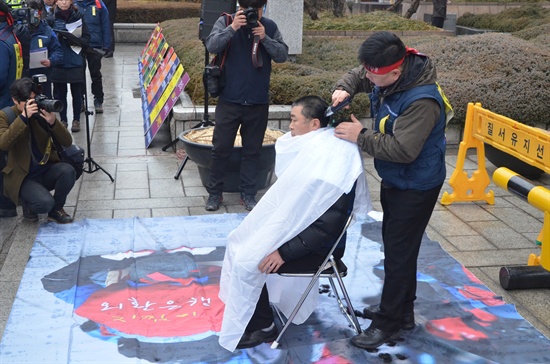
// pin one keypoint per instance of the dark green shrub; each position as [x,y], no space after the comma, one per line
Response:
[156,12]
[510,20]
[506,74]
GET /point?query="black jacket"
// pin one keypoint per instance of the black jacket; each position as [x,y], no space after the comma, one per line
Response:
[319,237]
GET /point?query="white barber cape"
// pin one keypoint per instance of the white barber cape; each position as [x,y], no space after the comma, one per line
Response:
[313,171]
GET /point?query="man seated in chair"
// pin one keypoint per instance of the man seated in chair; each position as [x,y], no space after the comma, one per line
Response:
[320,180]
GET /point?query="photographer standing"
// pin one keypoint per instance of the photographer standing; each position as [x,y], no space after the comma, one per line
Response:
[33,168]
[252,42]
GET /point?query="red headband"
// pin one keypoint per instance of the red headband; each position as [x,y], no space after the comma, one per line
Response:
[391,67]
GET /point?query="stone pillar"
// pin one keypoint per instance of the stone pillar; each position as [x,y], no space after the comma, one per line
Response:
[288,15]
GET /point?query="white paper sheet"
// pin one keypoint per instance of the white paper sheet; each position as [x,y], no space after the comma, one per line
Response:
[36,56]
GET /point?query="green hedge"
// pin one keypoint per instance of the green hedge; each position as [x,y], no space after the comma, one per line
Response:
[507,74]
[157,12]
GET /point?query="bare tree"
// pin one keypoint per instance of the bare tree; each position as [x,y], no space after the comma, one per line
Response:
[412,9]
[338,7]
[394,6]
[310,7]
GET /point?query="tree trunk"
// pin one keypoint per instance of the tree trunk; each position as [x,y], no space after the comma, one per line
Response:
[412,9]
[394,6]
[310,7]
[338,8]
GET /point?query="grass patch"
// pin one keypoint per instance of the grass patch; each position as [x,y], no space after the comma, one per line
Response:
[376,20]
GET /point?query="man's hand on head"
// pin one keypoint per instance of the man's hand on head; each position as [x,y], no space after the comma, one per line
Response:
[349,130]
[271,263]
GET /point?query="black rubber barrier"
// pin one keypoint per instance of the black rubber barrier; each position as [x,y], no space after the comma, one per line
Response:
[524,277]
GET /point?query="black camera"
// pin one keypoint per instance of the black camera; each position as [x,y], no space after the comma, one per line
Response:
[41,100]
[21,15]
[251,15]
[212,75]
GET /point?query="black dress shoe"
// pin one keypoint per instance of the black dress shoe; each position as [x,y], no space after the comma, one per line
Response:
[59,216]
[255,338]
[372,338]
[407,321]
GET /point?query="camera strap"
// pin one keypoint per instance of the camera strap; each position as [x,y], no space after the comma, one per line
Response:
[257,60]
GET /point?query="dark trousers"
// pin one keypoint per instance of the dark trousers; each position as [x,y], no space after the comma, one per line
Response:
[406,215]
[35,192]
[263,314]
[438,21]
[94,65]
[111,8]
[5,203]
[60,93]
[253,122]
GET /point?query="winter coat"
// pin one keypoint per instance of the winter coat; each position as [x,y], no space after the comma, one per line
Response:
[16,139]
[319,237]
[8,64]
[44,37]
[72,67]
[409,151]
[244,83]
[96,17]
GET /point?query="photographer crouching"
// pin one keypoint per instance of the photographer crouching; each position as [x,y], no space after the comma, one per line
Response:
[34,168]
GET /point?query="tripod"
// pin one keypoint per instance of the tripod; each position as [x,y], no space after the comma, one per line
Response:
[205,118]
[90,166]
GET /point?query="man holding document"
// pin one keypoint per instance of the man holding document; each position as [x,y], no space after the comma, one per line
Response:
[72,32]
[45,49]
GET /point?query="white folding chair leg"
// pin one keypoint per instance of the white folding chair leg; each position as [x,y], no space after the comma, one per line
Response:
[275,343]
[349,312]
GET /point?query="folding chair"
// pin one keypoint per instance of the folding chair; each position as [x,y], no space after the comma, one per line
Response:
[331,268]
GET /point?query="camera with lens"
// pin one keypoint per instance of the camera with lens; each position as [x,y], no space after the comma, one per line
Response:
[42,100]
[21,15]
[251,15]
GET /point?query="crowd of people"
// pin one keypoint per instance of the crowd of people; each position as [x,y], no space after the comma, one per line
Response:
[406,138]
[44,50]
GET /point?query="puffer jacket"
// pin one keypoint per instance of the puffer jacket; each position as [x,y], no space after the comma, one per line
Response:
[96,17]
[319,237]
[71,68]
[44,37]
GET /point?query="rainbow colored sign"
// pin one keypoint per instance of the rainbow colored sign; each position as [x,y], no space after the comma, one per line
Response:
[162,80]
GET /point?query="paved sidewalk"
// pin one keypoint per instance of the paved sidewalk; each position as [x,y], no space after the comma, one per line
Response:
[482,237]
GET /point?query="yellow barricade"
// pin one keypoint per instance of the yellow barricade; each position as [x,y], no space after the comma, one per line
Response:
[531,145]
